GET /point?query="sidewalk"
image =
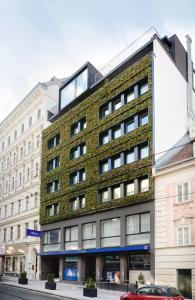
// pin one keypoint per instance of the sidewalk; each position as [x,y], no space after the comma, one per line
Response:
[74,292]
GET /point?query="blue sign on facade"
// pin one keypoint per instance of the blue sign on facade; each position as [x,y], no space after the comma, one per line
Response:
[70,274]
[35,233]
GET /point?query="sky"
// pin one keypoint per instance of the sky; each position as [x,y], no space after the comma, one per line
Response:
[44,38]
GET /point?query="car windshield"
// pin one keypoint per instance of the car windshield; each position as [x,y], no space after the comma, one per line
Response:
[173,291]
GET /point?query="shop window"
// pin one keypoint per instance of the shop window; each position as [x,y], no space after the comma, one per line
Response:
[139,261]
[89,235]
[111,270]
[51,240]
[110,232]
[54,141]
[71,238]
[70,268]
[138,229]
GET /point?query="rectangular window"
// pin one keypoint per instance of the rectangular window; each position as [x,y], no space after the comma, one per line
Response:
[129,188]
[130,95]
[89,235]
[143,119]
[144,185]
[54,141]
[53,186]
[77,202]
[77,176]
[104,111]
[183,235]
[53,163]
[116,104]
[143,151]
[104,166]
[35,225]
[129,125]
[139,261]
[18,231]
[11,233]
[182,192]
[116,132]
[5,235]
[138,229]
[78,126]
[78,151]
[51,240]
[74,88]
[110,232]
[116,161]
[71,238]
[26,227]
[104,197]
[129,157]
[143,87]
[116,192]
[52,210]
[104,137]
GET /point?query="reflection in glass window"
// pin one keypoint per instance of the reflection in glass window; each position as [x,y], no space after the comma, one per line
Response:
[104,195]
[116,192]
[144,151]
[116,132]
[130,157]
[130,96]
[130,189]
[81,83]
[110,232]
[143,88]
[144,185]
[143,119]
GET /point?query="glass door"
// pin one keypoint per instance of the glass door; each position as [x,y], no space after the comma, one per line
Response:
[184,279]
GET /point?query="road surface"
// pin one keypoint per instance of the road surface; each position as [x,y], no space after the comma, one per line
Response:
[13,293]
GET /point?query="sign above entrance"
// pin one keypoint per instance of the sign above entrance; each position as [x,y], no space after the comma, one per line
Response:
[35,233]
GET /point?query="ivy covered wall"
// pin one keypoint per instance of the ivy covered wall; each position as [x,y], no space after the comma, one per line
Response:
[94,181]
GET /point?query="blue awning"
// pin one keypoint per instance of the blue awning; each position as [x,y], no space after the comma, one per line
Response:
[97,250]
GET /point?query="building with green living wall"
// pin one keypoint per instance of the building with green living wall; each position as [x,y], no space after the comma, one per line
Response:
[97,192]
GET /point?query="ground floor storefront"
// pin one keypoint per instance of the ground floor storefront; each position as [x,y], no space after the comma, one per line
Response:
[115,245]
[21,257]
[107,265]
[176,267]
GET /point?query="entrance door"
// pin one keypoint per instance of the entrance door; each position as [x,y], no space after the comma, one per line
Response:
[185,283]
[90,270]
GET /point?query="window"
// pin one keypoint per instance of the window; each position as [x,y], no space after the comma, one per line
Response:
[77,202]
[144,184]
[78,151]
[53,163]
[182,192]
[5,235]
[38,140]
[53,186]
[104,166]
[183,235]
[15,134]
[129,125]
[130,95]
[52,210]
[22,128]
[36,199]
[27,202]
[71,238]
[129,188]
[36,169]
[116,161]
[110,232]
[54,141]
[77,176]
[3,145]
[18,231]
[138,229]
[29,147]
[104,111]
[39,114]
[129,157]
[143,87]
[143,151]
[116,132]
[51,240]
[116,192]
[78,126]
[35,225]
[74,88]
[30,122]
[116,104]
[12,208]
[28,175]
[11,233]
[8,140]
[143,119]
[104,137]
[5,211]
[139,261]
[89,235]
[26,228]
[104,195]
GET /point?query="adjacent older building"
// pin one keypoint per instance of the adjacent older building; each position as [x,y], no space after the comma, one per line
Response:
[20,143]
[97,194]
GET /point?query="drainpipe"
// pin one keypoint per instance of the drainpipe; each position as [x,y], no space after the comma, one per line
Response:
[190,104]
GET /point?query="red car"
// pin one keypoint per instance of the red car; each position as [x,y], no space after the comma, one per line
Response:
[153,292]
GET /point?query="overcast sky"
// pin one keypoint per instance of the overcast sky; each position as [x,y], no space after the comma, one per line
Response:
[42,38]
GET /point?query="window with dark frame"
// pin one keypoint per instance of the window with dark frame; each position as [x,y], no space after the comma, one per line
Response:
[54,141]
[77,176]
[77,202]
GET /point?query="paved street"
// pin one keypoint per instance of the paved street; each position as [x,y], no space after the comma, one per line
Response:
[14,293]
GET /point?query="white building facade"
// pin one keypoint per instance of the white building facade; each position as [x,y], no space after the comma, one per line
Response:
[20,144]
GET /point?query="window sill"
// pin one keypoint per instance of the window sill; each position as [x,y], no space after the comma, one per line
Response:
[183,202]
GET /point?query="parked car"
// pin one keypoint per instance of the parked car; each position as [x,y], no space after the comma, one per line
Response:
[153,292]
